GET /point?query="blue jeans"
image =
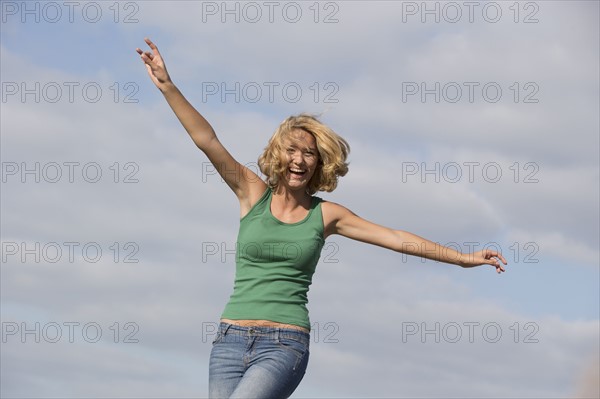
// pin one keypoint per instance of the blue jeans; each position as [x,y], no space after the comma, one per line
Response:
[257,362]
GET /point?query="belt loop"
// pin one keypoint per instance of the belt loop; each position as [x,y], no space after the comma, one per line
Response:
[227,326]
[277,332]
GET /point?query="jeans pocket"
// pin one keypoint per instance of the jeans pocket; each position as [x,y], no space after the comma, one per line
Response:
[293,345]
[298,352]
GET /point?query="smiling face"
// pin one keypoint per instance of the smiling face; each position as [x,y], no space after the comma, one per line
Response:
[302,156]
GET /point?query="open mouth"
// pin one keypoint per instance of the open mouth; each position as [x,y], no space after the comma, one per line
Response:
[297,172]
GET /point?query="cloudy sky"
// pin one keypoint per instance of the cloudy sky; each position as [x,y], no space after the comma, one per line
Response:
[474,124]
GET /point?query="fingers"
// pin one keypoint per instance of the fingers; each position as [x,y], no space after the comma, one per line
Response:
[147,57]
[493,258]
[489,257]
[502,258]
[495,254]
[497,265]
[151,44]
[152,47]
[499,268]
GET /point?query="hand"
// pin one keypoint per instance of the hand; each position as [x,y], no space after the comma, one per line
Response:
[155,65]
[484,257]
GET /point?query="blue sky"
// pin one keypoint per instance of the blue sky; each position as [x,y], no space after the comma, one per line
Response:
[156,212]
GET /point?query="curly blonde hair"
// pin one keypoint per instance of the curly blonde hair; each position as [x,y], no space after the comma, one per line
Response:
[333,151]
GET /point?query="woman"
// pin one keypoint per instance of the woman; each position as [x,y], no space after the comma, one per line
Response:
[261,349]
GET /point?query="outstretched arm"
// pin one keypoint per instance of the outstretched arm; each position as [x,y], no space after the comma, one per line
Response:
[243,181]
[197,127]
[342,221]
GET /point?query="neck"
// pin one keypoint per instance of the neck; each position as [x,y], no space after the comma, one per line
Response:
[291,198]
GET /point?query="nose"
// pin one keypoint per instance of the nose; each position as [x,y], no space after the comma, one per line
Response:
[297,158]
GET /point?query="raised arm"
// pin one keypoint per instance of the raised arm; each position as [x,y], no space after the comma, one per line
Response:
[243,181]
[342,221]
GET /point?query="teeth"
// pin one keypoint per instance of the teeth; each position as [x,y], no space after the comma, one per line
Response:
[297,170]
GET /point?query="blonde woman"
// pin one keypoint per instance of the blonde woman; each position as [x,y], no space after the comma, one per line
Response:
[262,346]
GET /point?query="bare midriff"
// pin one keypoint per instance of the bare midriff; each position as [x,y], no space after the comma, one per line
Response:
[264,323]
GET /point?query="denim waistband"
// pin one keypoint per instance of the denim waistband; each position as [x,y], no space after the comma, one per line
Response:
[268,332]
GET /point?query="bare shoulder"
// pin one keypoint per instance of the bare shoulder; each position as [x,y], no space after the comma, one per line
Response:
[338,219]
[332,209]
[332,214]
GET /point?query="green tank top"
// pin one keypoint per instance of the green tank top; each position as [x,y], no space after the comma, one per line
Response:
[275,262]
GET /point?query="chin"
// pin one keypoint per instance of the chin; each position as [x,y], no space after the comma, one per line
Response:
[296,185]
